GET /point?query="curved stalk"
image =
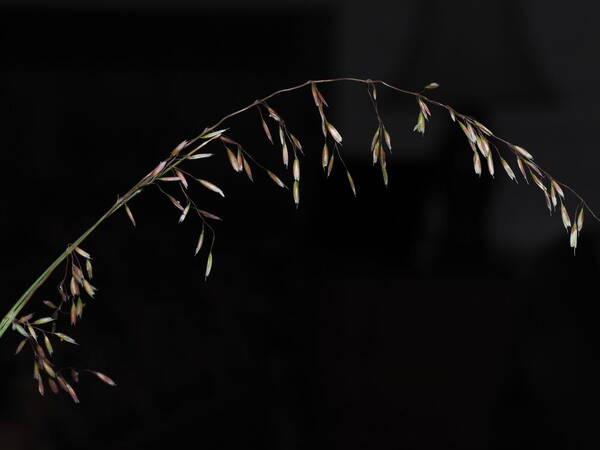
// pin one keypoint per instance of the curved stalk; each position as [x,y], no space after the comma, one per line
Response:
[173,161]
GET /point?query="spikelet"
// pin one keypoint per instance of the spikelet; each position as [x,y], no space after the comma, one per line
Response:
[247,169]
[553,195]
[32,332]
[388,139]
[558,188]
[74,287]
[36,371]
[69,389]
[20,346]
[213,134]
[483,145]
[420,126]
[351,181]
[181,178]
[276,179]
[266,130]
[548,202]
[48,345]
[48,368]
[296,169]
[208,141]
[211,186]
[43,321]
[469,132]
[175,202]
[161,165]
[179,147]
[375,138]
[573,238]
[537,181]
[20,330]
[384,174]
[208,214]
[199,156]
[296,193]
[240,158]
[53,386]
[89,269]
[184,213]
[314,91]
[64,337]
[104,378]
[232,160]
[535,167]
[209,263]
[319,102]
[26,318]
[508,170]
[424,108]
[89,289]
[330,164]
[284,149]
[477,163]
[200,242]
[482,128]
[79,307]
[321,98]
[522,152]
[522,169]
[73,314]
[376,152]
[296,143]
[337,137]
[580,220]
[77,273]
[285,154]
[565,216]
[325,156]
[41,386]
[83,253]
[272,113]
[129,214]
[490,164]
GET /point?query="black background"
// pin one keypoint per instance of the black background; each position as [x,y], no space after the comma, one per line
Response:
[444,312]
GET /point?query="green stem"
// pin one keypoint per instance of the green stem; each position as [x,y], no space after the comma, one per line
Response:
[22,301]
[20,304]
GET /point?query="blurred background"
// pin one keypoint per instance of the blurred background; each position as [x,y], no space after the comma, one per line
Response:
[444,312]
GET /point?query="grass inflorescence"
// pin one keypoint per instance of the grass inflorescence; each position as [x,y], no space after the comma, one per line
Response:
[40,332]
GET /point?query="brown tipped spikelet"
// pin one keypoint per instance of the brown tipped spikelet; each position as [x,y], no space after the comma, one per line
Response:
[213,187]
[325,156]
[276,179]
[104,378]
[130,214]
[296,193]
[351,181]
[209,263]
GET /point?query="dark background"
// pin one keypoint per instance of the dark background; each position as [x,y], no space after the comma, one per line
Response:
[446,312]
